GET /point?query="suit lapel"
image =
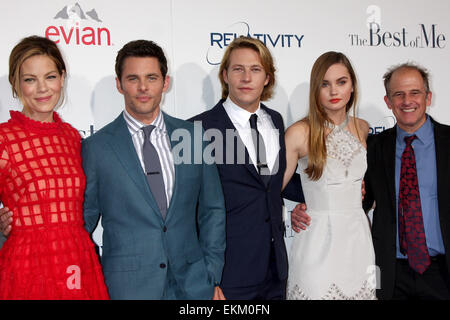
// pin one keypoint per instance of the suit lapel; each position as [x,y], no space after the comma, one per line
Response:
[442,143]
[170,127]
[123,146]
[223,122]
[281,151]
[388,152]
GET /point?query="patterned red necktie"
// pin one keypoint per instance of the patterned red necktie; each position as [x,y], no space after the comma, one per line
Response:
[410,222]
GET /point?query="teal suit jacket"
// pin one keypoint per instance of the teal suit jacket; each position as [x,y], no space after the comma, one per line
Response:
[139,247]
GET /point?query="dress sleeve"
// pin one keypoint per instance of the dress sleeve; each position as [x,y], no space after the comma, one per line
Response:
[4,165]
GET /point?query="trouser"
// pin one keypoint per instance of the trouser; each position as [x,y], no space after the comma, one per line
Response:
[171,289]
[272,288]
[433,284]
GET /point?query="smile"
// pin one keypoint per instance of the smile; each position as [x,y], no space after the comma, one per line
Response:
[409,110]
[43,99]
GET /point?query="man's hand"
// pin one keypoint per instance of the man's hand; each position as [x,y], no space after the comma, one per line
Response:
[363,189]
[5,221]
[218,294]
[299,218]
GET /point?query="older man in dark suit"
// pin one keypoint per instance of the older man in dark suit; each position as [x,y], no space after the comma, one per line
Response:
[408,177]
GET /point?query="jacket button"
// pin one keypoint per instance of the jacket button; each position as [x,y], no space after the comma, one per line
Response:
[165,229]
[267,220]
[162,265]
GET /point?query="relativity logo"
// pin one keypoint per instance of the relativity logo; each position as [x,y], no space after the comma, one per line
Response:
[218,41]
[382,124]
[79,28]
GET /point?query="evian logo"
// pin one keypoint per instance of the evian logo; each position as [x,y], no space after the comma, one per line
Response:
[78,28]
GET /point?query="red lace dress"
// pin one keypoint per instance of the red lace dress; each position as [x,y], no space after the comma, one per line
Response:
[48,254]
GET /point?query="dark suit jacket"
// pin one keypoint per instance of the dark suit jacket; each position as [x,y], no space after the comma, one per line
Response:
[254,211]
[380,186]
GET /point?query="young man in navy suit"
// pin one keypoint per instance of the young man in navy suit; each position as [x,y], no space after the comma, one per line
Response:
[251,166]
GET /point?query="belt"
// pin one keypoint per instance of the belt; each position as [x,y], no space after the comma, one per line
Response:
[437,258]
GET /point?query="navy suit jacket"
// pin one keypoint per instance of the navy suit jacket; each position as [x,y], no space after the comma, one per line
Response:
[254,211]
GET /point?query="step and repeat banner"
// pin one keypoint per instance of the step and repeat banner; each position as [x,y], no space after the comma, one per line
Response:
[194,34]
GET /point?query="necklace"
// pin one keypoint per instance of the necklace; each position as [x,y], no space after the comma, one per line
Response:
[340,126]
[341,146]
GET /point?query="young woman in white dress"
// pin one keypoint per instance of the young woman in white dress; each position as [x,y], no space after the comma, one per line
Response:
[333,258]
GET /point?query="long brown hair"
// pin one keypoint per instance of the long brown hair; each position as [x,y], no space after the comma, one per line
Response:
[317,117]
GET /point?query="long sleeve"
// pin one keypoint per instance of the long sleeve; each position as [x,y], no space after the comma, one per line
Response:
[91,211]
[211,221]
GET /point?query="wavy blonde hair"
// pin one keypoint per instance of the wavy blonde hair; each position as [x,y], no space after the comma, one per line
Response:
[266,61]
[29,47]
[317,117]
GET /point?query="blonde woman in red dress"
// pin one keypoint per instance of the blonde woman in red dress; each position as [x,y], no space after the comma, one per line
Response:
[48,254]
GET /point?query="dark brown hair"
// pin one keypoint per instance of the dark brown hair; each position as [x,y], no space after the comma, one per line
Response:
[141,48]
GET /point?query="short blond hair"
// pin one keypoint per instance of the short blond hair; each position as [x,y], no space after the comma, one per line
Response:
[266,61]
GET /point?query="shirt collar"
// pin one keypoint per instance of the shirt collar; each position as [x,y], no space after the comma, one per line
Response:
[135,125]
[425,133]
[240,115]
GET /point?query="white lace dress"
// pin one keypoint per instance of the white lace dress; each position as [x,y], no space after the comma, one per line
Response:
[334,257]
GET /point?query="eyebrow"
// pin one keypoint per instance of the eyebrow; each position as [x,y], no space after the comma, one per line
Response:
[341,78]
[412,90]
[243,65]
[33,75]
[147,75]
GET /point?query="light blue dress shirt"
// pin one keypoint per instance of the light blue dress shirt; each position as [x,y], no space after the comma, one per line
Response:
[424,150]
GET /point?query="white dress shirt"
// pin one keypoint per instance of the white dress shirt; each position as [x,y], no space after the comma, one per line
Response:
[241,121]
[161,141]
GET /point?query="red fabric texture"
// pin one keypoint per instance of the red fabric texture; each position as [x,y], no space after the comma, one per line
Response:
[48,254]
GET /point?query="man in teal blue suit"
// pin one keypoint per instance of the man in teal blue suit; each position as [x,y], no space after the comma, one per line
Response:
[152,250]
